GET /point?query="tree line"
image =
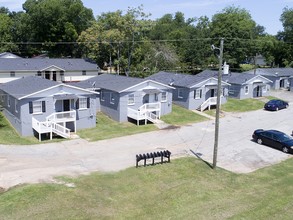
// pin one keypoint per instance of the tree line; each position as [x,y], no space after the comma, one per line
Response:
[135,44]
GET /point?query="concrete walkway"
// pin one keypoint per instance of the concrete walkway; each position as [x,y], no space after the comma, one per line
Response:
[236,153]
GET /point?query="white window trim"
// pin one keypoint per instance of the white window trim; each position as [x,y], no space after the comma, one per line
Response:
[245,90]
[180,96]
[164,97]
[37,112]
[82,103]
[15,105]
[102,96]
[130,98]
[112,98]
[8,100]
[198,93]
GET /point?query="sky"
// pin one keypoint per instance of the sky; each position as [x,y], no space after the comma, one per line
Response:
[266,13]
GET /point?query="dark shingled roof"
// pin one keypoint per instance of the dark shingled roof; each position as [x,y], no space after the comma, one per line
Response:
[237,78]
[272,71]
[28,64]
[27,85]
[182,80]
[111,82]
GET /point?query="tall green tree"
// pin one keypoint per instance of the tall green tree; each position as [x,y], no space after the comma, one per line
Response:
[285,57]
[6,32]
[114,39]
[58,21]
[240,32]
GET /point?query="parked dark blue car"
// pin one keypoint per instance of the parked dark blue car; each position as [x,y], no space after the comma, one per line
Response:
[275,105]
[275,139]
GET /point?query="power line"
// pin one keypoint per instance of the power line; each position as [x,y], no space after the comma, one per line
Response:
[131,41]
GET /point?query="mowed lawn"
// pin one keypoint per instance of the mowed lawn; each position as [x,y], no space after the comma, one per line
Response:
[9,136]
[181,116]
[107,128]
[186,188]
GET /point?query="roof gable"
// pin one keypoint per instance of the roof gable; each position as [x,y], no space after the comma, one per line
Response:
[52,68]
[244,78]
[32,85]
[26,85]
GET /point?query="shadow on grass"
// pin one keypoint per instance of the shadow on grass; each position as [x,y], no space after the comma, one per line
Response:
[198,155]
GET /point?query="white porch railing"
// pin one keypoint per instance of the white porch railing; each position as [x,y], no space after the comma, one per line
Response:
[207,103]
[41,127]
[156,106]
[152,117]
[61,130]
[51,124]
[145,112]
[62,116]
[138,115]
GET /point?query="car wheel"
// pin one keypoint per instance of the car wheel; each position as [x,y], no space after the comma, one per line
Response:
[259,141]
[285,149]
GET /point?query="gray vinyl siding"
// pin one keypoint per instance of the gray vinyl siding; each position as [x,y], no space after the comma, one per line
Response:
[194,103]
[22,120]
[238,91]
[119,109]
[182,101]
[108,108]
[235,91]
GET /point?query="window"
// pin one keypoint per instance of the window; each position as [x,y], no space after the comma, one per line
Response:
[246,90]
[82,103]
[131,99]
[37,107]
[112,98]
[39,73]
[264,88]
[12,74]
[83,72]
[15,105]
[197,94]
[102,96]
[180,93]
[8,100]
[164,96]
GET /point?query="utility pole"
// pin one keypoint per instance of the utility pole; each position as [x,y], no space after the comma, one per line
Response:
[217,122]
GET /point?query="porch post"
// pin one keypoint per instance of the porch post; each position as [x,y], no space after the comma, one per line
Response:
[40,137]
[74,126]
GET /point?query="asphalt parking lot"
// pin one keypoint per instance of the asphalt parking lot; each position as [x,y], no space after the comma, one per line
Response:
[236,151]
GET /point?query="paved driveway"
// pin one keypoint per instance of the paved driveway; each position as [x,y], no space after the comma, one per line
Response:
[236,152]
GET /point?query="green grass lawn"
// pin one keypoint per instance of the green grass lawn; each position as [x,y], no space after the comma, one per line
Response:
[107,128]
[186,188]
[237,105]
[182,116]
[9,136]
